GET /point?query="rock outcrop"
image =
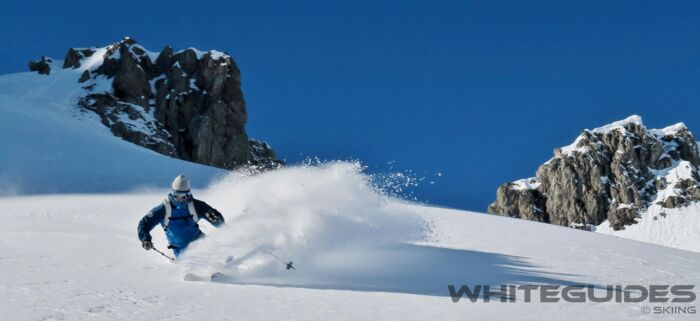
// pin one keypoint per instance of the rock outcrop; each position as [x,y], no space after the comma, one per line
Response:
[610,173]
[187,104]
[42,66]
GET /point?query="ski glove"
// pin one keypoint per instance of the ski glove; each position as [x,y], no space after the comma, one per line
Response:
[214,217]
[147,245]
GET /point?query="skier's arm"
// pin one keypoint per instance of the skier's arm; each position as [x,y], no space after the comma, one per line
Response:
[149,221]
[209,213]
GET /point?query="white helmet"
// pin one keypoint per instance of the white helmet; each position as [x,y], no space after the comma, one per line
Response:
[181,184]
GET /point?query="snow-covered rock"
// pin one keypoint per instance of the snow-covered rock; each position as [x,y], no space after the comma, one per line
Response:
[186,104]
[610,175]
[42,66]
[50,146]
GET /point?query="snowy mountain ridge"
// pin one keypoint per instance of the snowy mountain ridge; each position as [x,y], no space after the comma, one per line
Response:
[52,146]
[187,104]
[621,179]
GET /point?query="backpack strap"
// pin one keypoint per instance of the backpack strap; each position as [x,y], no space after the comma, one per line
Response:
[193,211]
[169,212]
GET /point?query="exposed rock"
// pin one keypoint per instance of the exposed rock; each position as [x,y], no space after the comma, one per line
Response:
[521,201]
[75,56]
[130,122]
[610,173]
[72,59]
[42,66]
[263,155]
[188,60]
[85,76]
[130,82]
[186,104]
[164,60]
[674,202]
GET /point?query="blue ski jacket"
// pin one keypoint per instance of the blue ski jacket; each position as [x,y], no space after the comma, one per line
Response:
[181,226]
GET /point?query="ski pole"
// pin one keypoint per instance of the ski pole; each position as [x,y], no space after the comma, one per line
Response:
[288,264]
[163,254]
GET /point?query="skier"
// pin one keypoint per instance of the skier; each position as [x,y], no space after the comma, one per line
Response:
[178,215]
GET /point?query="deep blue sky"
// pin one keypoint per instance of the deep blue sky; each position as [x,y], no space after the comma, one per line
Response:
[481,91]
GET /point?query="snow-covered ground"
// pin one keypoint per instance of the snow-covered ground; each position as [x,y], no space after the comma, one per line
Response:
[359,256]
[673,227]
[49,146]
[73,194]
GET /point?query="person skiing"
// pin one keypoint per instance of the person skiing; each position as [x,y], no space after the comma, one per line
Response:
[178,215]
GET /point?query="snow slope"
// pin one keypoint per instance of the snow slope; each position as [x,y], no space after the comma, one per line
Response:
[359,256]
[673,227]
[74,255]
[49,146]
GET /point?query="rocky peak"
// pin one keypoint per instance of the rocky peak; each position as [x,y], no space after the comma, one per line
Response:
[613,173]
[187,104]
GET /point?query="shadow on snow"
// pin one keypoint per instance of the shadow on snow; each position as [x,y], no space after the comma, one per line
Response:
[407,268]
